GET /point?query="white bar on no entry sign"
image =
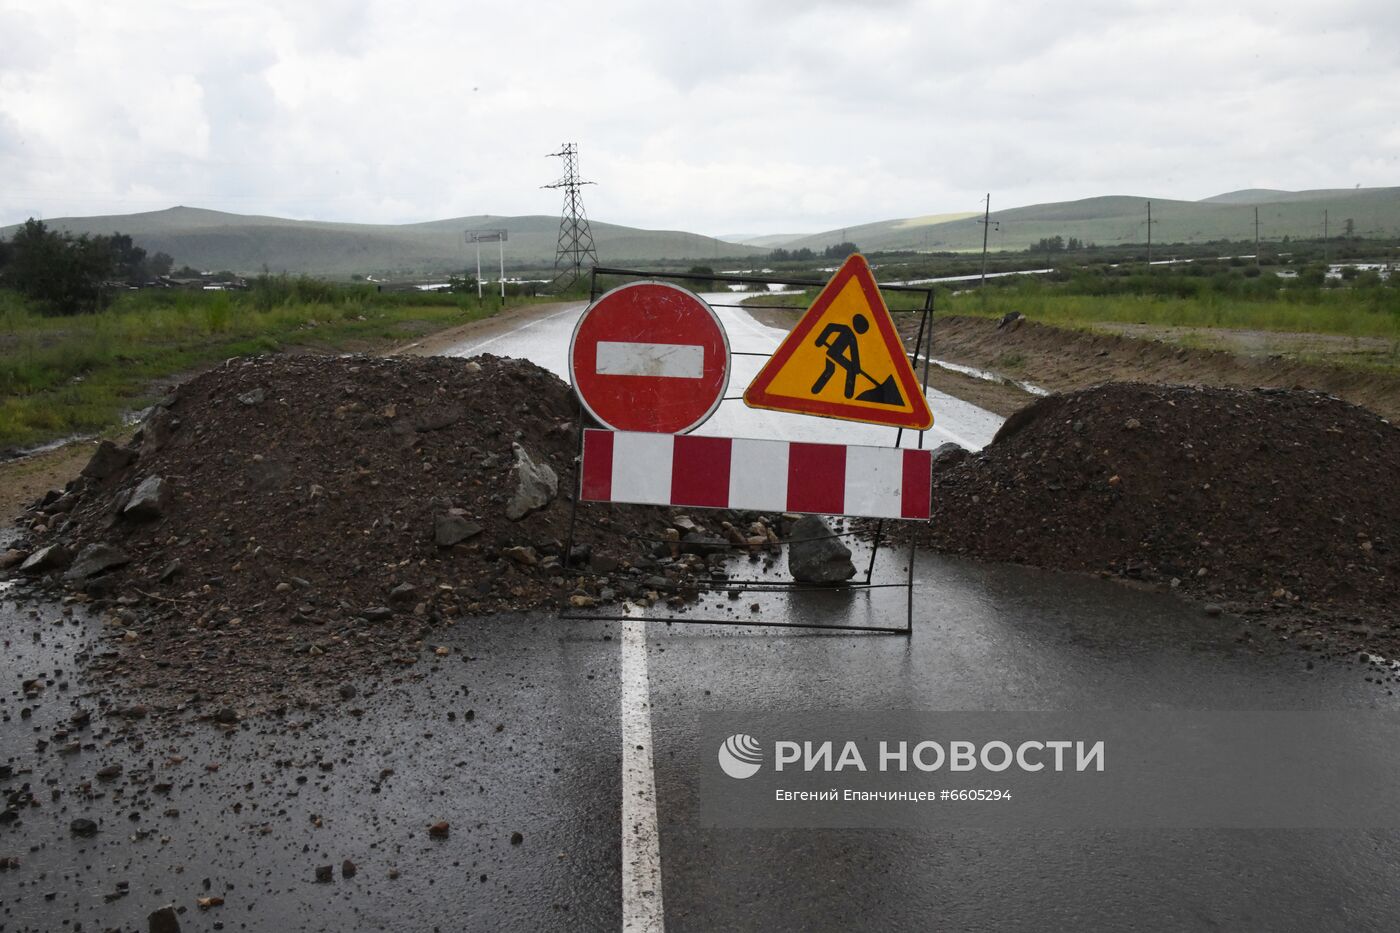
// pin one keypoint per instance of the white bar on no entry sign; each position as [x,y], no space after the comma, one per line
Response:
[673,360]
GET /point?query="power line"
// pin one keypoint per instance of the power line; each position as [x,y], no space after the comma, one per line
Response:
[575,236]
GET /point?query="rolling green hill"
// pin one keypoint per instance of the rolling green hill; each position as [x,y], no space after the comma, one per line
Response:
[1122,219]
[213,240]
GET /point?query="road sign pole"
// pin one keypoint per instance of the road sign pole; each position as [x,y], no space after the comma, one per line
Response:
[501,245]
[478,270]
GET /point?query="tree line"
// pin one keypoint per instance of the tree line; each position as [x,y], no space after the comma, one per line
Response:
[835,251]
[67,274]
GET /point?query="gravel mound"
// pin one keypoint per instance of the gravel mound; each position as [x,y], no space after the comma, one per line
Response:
[281,522]
[1265,501]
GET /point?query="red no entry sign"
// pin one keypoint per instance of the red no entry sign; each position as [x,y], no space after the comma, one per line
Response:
[649,357]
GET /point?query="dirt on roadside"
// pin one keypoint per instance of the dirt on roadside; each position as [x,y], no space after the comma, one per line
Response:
[25,479]
[1271,502]
[280,521]
[1060,360]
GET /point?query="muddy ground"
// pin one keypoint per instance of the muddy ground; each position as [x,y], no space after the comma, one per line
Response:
[279,522]
[1060,359]
[1271,502]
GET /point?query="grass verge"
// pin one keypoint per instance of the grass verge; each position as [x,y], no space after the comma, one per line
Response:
[78,374]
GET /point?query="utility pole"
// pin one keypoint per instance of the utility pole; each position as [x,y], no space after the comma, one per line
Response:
[1326,246]
[1257,260]
[1150,222]
[986,223]
[575,236]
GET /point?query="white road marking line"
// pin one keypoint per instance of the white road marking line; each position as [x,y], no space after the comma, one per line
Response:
[641,840]
[515,330]
[671,360]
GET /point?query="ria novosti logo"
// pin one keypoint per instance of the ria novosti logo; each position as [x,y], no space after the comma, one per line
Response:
[740,756]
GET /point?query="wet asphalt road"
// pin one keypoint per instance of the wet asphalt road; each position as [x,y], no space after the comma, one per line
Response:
[1005,638]
[516,731]
[541,755]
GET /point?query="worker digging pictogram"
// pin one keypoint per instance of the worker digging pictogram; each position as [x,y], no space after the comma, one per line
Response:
[844,359]
[843,350]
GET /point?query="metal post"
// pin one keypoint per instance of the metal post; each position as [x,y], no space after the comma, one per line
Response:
[478,270]
[986,229]
[1149,236]
[501,245]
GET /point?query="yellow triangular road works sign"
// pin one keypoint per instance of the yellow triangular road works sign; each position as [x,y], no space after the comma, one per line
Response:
[844,359]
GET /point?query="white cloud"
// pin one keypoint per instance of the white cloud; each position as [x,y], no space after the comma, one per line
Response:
[716,116]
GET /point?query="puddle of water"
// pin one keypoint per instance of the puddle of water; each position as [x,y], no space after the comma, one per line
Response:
[988,376]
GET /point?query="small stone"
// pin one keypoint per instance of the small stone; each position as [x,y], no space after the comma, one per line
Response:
[94,559]
[525,556]
[440,829]
[403,593]
[1213,609]
[82,827]
[948,454]
[164,920]
[52,557]
[816,555]
[227,716]
[516,839]
[1132,424]
[149,501]
[108,460]
[347,869]
[536,485]
[325,874]
[204,903]
[580,601]
[12,558]
[453,527]
[348,691]
[157,430]
[109,772]
[253,396]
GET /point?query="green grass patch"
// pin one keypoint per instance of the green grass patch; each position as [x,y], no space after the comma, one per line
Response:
[1338,311]
[79,374]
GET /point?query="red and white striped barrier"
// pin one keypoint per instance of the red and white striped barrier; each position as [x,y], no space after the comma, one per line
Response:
[756,475]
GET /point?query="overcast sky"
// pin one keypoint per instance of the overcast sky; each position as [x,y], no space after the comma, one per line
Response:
[720,116]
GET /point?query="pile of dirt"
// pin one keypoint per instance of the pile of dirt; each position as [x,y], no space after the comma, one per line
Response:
[279,522]
[1259,501]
